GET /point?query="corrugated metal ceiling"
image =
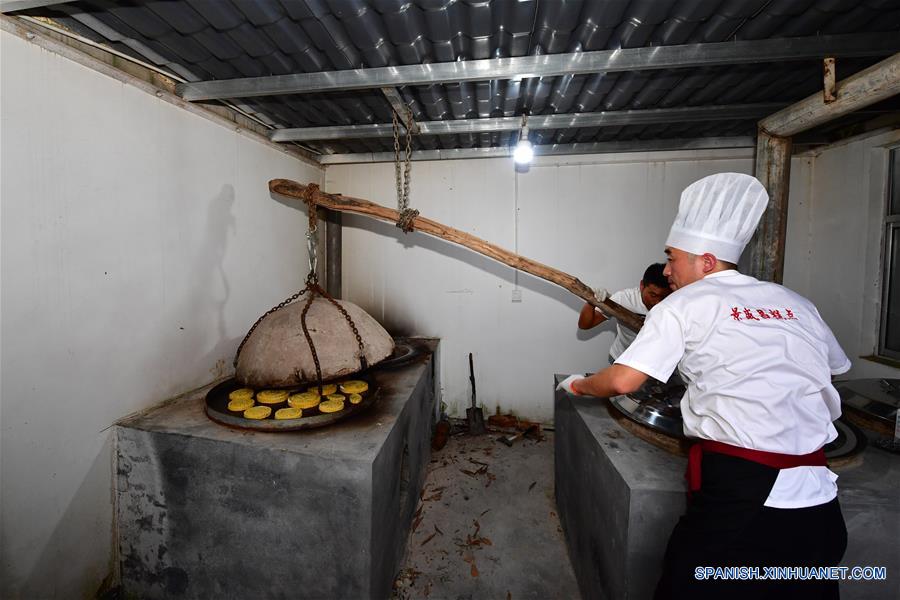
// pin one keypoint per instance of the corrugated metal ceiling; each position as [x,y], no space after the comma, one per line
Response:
[225,39]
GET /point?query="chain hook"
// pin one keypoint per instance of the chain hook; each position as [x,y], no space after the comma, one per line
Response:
[312,248]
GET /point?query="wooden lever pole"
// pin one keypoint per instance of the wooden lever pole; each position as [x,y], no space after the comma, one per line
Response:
[312,194]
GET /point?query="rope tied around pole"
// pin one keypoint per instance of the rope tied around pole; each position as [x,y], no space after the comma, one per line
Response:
[405,221]
[309,193]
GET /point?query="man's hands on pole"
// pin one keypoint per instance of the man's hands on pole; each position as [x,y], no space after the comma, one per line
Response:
[590,316]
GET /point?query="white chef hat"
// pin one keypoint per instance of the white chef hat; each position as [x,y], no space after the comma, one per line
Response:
[718,214]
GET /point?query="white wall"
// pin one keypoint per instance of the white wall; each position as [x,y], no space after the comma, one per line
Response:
[602,218]
[834,244]
[139,243]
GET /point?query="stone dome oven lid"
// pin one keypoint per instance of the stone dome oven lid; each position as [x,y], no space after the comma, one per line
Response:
[277,354]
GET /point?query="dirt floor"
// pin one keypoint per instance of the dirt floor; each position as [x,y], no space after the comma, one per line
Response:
[487,526]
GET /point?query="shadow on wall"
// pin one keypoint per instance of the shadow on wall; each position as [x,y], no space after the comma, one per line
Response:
[66,544]
[196,317]
[219,223]
[398,325]
[209,287]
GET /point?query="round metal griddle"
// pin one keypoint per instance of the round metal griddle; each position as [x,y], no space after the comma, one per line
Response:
[217,408]
[655,405]
[404,353]
[848,444]
[658,407]
[871,403]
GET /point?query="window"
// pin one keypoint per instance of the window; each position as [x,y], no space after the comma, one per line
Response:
[889,340]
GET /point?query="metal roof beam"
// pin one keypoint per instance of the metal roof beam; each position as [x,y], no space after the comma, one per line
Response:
[399,107]
[521,67]
[714,143]
[14,5]
[560,121]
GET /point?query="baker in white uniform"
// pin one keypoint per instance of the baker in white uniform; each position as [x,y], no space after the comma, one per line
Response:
[652,288]
[758,360]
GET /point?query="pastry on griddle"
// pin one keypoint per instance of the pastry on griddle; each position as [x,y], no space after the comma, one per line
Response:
[272,396]
[354,387]
[336,397]
[241,393]
[332,406]
[288,413]
[327,388]
[304,400]
[240,404]
[257,412]
[355,398]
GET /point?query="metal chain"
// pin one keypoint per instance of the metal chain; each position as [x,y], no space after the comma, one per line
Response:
[314,289]
[362,351]
[312,278]
[408,164]
[400,197]
[277,307]
[406,214]
[312,347]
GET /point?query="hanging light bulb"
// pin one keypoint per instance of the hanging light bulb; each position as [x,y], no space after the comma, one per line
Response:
[524,151]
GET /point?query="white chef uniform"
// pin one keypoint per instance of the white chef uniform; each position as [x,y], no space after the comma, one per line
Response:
[629,298]
[766,360]
[758,360]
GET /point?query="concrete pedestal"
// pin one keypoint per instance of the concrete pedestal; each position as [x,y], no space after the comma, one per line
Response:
[619,498]
[205,511]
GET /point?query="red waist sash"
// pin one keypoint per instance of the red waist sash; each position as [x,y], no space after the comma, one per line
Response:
[770,459]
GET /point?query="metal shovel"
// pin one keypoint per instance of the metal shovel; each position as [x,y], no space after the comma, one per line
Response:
[474,415]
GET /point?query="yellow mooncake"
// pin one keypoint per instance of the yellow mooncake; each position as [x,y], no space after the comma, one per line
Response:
[257,412]
[332,406]
[241,393]
[272,396]
[355,398]
[327,388]
[304,400]
[240,404]
[288,413]
[354,387]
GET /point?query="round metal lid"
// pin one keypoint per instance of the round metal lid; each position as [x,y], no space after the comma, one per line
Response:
[277,354]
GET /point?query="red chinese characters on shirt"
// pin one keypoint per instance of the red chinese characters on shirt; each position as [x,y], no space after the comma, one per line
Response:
[743,313]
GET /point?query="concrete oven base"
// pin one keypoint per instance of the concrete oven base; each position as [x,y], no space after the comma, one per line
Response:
[204,511]
[619,498]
